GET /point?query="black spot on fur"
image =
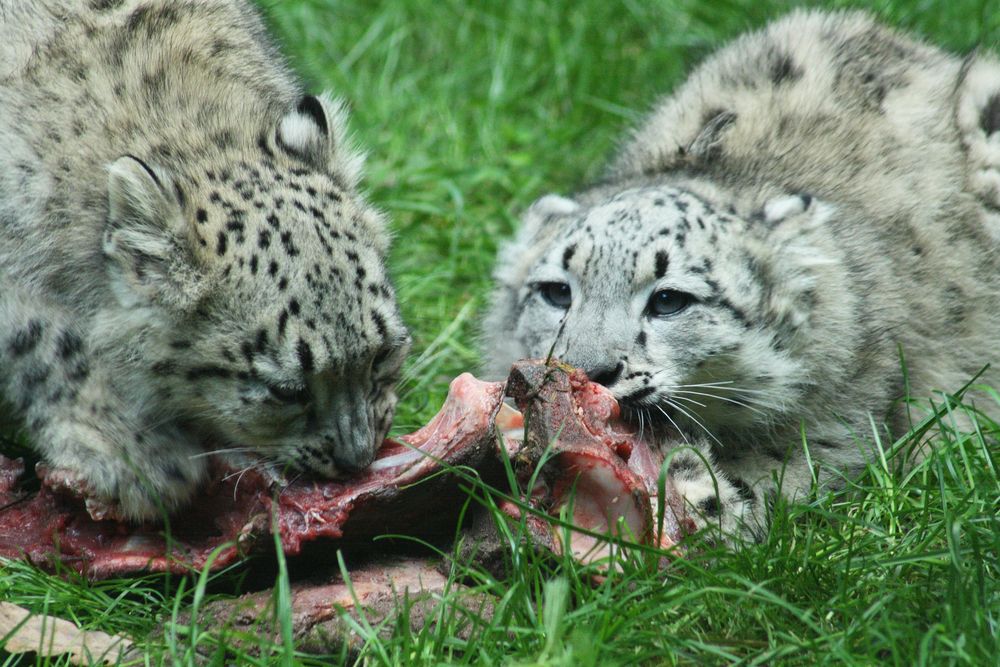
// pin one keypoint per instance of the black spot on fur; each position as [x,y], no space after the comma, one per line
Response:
[305,355]
[709,506]
[200,372]
[568,255]
[220,248]
[202,216]
[264,147]
[638,395]
[311,106]
[293,307]
[661,263]
[25,340]
[746,493]
[989,117]
[79,372]
[68,345]
[682,464]
[175,473]
[641,338]
[282,322]
[380,324]
[286,241]
[783,69]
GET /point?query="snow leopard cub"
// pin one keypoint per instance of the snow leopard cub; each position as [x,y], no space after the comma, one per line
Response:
[184,254]
[816,196]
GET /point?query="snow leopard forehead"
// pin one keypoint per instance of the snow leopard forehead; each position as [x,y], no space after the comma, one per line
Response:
[297,264]
[638,236]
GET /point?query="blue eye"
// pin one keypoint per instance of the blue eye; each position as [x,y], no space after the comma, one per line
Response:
[557,295]
[668,302]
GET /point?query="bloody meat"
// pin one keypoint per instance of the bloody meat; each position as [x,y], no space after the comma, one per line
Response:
[591,461]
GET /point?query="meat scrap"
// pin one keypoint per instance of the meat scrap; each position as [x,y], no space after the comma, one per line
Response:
[593,466]
[324,612]
[235,511]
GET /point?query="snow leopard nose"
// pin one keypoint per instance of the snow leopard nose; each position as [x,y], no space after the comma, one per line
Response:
[350,439]
[352,463]
[605,374]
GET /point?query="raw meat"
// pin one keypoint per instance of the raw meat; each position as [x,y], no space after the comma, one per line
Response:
[594,468]
[50,527]
[378,590]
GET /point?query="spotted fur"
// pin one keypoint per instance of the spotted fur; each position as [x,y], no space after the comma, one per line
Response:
[184,253]
[817,197]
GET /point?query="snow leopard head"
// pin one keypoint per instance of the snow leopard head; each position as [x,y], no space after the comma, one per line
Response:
[687,310]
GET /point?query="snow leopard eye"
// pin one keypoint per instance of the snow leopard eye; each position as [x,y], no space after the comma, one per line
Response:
[557,295]
[668,302]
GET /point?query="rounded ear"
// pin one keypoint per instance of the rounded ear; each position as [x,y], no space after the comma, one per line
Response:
[149,260]
[978,114]
[519,252]
[316,131]
[544,210]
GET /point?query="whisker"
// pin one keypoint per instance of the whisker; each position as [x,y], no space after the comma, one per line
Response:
[723,387]
[676,394]
[671,420]
[727,399]
[225,450]
[694,419]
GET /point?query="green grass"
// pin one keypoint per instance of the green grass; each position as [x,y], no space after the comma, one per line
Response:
[470,110]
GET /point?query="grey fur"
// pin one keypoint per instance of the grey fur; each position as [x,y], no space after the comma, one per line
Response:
[184,254]
[828,189]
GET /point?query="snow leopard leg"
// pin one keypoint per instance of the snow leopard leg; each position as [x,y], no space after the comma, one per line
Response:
[713,497]
[97,443]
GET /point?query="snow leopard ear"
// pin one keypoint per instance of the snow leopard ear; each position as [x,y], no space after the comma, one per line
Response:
[316,131]
[518,254]
[978,114]
[542,212]
[142,238]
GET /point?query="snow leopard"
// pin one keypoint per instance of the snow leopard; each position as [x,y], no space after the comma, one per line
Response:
[187,260]
[795,241]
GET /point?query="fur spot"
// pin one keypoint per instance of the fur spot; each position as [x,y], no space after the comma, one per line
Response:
[568,255]
[989,117]
[305,355]
[69,344]
[709,506]
[746,493]
[783,69]
[25,340]
[683,464]
[200,372]
[638,395]
[662,262]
